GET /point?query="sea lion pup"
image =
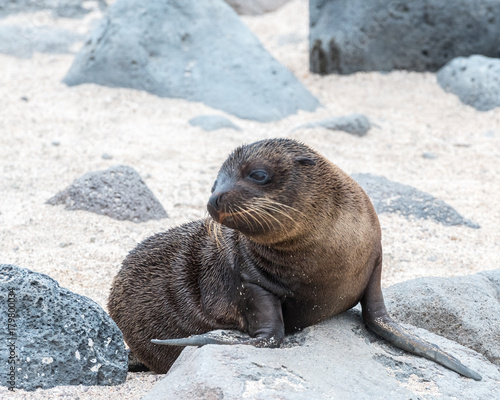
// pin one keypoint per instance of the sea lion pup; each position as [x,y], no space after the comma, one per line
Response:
[295,241]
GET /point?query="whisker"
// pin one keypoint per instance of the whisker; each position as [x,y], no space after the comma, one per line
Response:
[259,217]
[266,201]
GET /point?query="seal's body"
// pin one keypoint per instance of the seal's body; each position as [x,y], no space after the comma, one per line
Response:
[293,240]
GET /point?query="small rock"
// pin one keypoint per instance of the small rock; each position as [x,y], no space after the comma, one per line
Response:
[255,7]
[429,155]
[118,192]
[212,122]
[107,156]
[475,80]
[56,337]
[393,197]
[355,124]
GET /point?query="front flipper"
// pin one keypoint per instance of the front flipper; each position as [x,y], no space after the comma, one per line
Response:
[219,337]
[378,320]
[264,319]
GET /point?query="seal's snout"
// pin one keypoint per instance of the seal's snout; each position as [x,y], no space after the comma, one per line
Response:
[213,206]
[222,185]
[214,201]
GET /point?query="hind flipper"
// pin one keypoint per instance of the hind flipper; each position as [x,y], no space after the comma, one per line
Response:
[378,320]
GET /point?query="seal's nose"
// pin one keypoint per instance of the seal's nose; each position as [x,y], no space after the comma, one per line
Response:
[214,202]
[222,185]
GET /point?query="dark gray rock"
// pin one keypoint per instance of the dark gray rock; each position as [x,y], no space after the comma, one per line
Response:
[55,337]
[118,192]
[379,35]
[212,122]
[465,309]
[22,42]
[475,80]
[335,359]
[59,8]
[392,197]
[355,124]
[199,51]
[255,7]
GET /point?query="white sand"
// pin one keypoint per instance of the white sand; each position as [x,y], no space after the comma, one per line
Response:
[83,251]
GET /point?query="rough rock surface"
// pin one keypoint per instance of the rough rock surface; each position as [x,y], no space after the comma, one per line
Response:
[212,122]
[56,337]
[379,35]
[475,80]
[255,7]
[393,197]
[22,42]
[335,359]
[59,8]
[355,124]
[118,192]
[465,309]
[199,51]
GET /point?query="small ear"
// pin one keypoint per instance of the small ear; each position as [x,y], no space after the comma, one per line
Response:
[305,161]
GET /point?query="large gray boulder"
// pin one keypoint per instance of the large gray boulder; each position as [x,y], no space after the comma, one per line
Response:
[118,192]
[392,197]
[196,50]
[347,36]
[51,336]
[337,359]
[465,309]
[475,80]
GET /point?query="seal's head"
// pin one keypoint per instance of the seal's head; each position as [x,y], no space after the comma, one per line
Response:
[261,189]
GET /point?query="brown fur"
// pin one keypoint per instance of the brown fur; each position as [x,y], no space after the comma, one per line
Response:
[184,281]
[299,247]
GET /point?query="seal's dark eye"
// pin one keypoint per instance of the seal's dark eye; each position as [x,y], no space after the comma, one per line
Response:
[259,176]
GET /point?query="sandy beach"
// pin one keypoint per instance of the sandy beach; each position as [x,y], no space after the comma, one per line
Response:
[51,134]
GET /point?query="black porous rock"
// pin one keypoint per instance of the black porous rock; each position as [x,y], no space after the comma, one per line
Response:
[118,192]
[392,197]
[55,337]
[59,8]
[355,124]
[22,42]
[465,309]
[337,358]
[475,80]
[347,36]
[255,7]
[196,50]
[212,122]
